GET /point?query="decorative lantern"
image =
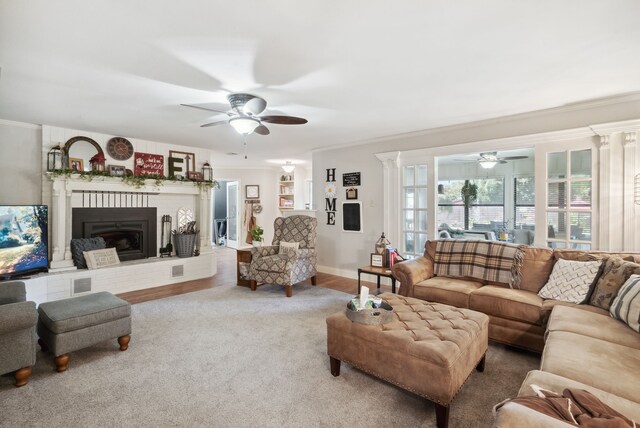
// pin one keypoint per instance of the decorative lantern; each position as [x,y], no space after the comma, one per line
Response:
[97,162]
[381,244]
[54,158]
[207,172]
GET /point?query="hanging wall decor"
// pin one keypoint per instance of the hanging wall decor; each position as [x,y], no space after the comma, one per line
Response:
[351,179]
[148,164]
[330,196]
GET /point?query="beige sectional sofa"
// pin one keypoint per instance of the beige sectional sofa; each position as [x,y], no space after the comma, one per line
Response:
[581,345]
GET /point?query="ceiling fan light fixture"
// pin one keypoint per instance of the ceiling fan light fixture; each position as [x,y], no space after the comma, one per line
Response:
[488,164]
[288,167]
[244,125]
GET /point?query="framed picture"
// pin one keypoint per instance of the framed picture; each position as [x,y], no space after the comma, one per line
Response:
[195,176]
[117,170]
[252,191]
[377,260]
[352,193]
[76,164]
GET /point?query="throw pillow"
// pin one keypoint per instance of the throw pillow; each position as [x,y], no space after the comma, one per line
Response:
[101,258]
[626,305]
[570,280]
[80,245]
[288,246]
[615,273]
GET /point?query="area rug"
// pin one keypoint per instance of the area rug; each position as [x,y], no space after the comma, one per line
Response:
[230,357]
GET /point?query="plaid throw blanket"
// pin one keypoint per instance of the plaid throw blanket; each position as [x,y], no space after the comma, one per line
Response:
[486,260]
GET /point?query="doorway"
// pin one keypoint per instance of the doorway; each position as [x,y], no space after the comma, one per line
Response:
[225,214]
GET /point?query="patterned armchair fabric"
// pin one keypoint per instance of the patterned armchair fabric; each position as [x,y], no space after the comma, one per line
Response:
[270,267]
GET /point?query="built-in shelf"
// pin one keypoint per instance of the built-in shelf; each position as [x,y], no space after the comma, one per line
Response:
[286,191]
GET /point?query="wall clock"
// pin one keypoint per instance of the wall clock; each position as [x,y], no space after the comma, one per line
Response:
[120,148]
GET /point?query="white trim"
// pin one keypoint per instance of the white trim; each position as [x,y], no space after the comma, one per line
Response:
[611,127]
[26,125]
[629,170]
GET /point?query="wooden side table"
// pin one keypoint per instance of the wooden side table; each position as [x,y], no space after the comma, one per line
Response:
[378,272]
[244,256]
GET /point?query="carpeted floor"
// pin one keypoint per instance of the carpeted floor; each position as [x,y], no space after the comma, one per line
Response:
[230,357]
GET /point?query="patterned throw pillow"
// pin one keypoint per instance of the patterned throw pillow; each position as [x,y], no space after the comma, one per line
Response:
[570,280]
[101,258]
[626,305]
[615,273]
[288,246]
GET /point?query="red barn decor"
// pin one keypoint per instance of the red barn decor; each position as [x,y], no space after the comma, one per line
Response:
[148,164]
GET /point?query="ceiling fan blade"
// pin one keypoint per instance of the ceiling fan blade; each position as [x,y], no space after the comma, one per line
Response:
[501,161]
[283,120]
[514,157]
[262,130]
[206,109]
[220,122]
[255,106]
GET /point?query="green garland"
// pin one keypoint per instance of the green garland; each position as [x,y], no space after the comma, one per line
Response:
[136,181]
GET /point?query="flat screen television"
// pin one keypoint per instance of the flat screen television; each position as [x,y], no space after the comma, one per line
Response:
[23,240]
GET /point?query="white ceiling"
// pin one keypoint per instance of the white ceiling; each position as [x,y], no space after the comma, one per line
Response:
[356,70]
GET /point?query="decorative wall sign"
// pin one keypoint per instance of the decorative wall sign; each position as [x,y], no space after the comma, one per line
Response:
[252,191]
[148,164]
[377,260]
[352,193]
[351,217]
[350,179]
[330,196]
[181,163]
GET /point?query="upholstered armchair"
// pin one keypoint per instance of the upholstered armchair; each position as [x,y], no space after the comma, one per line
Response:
[18,319]
[275,264]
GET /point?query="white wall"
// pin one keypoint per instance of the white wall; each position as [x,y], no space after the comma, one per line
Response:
[340,252]
[20,160]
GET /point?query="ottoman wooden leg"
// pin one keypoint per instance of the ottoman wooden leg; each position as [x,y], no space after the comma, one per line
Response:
[480,366]
[43,346]
[442,416]
[61,362]
[22,376]
[335,366]
[124,342]
[289,290]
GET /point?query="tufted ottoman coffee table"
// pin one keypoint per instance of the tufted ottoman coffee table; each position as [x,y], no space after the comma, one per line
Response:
[429,349]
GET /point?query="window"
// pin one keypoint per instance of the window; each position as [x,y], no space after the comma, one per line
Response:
[485,213]
[569,208]
[524,202]
[414,210]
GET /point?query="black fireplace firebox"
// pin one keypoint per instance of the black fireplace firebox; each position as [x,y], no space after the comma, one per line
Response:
[131,231]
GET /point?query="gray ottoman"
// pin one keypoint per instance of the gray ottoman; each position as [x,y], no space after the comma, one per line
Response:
[71,324]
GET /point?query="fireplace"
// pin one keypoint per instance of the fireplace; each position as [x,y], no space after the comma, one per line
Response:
[131,231]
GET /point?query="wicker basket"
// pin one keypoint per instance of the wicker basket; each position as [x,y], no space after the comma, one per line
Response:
[376,316]
[184,243]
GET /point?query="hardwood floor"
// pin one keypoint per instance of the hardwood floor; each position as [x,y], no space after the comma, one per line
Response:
[226,275]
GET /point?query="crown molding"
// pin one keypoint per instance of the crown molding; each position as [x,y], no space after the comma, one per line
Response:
[613,127]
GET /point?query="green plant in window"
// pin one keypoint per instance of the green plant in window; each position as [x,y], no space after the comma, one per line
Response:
[469,193]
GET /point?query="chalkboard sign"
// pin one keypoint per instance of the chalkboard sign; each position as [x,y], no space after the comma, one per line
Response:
[351,179]
[352,217]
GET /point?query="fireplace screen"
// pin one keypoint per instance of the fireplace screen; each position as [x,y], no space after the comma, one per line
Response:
[131,231]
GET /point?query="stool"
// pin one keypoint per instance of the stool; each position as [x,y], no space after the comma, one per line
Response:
[71,324]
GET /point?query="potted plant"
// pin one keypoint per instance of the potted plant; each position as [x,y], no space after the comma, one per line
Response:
[469,193]
[256,235]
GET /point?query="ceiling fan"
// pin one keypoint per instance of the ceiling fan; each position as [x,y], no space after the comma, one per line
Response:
[244,115]
[488,160]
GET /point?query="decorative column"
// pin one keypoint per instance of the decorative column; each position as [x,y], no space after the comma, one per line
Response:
[391,195]
[60,221]
[203,208]
[604,154]
[630,240]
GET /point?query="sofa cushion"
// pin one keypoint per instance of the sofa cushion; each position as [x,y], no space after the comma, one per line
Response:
[570,280]
[449,291]
[626,305]
[598,325]
[519,305]
[615,273]
[555,383]
[537,264]
[548,305]
[577,255]
[599,363]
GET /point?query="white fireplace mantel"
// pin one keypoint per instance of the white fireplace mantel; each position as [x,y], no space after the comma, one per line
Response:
[62,189]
